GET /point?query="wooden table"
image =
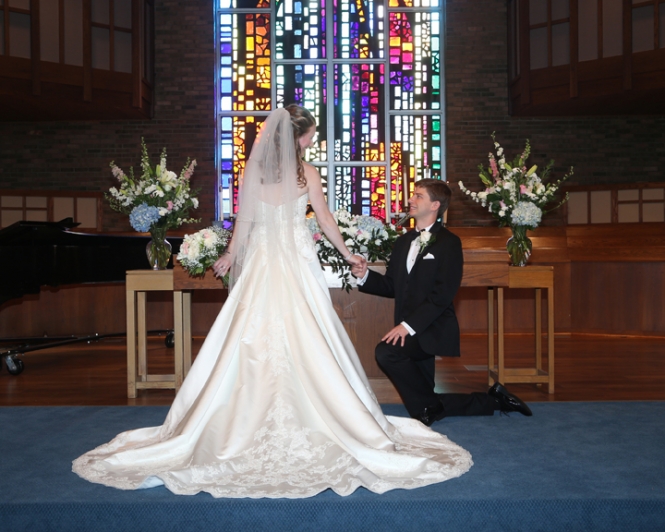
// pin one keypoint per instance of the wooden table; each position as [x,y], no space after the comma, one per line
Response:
[538,278]
[495,276]
[138,283]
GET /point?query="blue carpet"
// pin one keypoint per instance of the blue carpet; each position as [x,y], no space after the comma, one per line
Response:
[572,466]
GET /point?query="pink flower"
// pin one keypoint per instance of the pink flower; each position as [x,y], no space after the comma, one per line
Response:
[117,173]
[523,189]
[184,248]
[316,236]
[188,173]
[169,205]
[495,170]
[503,205]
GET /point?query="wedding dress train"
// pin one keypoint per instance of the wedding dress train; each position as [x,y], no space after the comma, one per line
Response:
[276,403]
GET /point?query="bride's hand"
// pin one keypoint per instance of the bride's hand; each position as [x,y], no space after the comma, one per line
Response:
[222,265]
[356,260]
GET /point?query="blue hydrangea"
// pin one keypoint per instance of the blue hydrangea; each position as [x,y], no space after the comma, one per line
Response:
[143,216]
[369,224]
[526,213]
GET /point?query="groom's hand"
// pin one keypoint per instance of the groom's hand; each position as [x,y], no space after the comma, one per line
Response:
[398,333]
[358,270]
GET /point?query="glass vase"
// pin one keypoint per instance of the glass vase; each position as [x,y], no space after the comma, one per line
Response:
[158,249]
[519,246]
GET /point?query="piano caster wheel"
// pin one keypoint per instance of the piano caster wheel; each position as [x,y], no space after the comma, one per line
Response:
[170,339]
[14,365]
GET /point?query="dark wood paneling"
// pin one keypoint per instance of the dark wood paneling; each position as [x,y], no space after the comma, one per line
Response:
[64,101]
[608,278]
[618,297]
[77,310]
[35,90]
[644,242]
[632,83]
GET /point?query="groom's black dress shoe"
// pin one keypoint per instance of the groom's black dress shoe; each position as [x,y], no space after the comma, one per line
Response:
[431,414]
[507,401]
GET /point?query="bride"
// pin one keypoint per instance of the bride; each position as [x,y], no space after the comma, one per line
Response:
[276,403]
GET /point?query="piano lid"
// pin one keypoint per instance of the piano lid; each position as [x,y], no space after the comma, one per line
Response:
[34,254]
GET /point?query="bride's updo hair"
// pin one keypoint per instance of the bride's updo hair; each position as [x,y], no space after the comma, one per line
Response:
[302,121]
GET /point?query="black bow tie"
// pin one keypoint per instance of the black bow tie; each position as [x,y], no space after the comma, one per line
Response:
[415,233]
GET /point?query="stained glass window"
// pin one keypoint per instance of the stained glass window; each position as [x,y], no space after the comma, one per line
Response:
[370,72]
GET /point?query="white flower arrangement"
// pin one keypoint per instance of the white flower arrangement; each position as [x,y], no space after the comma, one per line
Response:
[363,235]
[514,195]
[158,198]
[199,251]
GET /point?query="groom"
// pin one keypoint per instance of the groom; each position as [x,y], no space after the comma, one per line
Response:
[423,276]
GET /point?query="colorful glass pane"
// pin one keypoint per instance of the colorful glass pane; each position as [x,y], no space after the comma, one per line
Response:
[300,29]
[359,27]
[373,123]
[304,84]
[361,190]
[245,85]
[359,112]
[415,3]
[244,4]
[237,135]
[415,153]
[415,60]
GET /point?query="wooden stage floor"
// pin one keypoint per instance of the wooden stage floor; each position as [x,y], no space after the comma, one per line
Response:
[588,368]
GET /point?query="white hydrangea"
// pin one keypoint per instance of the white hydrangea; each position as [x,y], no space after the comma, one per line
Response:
[526,213]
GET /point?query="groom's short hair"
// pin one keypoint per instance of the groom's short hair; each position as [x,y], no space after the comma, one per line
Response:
[438,191]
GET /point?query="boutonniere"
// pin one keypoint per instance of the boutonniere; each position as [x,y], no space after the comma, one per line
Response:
[425,239]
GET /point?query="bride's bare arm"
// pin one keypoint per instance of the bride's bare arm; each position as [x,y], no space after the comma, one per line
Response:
[324,217]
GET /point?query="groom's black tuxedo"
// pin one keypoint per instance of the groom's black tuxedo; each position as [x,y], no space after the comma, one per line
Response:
[424,296]
[424,301]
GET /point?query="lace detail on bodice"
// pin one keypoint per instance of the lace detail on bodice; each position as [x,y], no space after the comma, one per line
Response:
[301,208]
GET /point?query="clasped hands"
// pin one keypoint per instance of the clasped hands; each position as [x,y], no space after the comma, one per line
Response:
[358,266]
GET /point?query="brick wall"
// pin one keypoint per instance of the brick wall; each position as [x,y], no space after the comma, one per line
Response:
[75,155]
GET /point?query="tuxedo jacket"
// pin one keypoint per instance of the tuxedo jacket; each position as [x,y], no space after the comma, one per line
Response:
[424,296]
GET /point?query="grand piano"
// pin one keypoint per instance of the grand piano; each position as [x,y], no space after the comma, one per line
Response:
[36,254]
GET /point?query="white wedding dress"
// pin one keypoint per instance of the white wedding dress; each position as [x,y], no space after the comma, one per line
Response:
[276,403]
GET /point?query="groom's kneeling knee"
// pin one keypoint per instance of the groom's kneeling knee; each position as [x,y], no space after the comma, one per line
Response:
[386,354]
